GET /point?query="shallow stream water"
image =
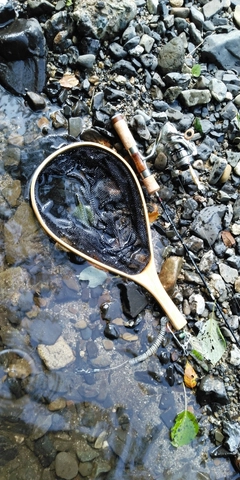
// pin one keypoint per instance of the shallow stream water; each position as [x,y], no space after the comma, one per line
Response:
[113,422]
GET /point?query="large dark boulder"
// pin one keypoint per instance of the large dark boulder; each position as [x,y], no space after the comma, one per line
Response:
[22,56]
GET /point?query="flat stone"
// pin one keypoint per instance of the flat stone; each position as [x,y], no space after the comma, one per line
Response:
[228,274]
[208,223]
[195,97]
[56,356]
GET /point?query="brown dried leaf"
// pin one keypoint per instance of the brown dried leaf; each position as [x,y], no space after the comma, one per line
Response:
[190,376]
[228,239]
[154,214]
[68,80]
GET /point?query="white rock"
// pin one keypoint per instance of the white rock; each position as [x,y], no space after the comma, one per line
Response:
[217,285]
[228,274]
[235,356]
[237,169]
[235,229]
[56,356]
[197,303]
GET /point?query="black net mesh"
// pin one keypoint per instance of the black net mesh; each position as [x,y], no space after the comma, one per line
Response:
[89,199]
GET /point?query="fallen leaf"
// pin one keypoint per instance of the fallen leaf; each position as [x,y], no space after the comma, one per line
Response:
[228,239]
[184,429]
[154,214]
[190,376]
[213,344]
[68,80]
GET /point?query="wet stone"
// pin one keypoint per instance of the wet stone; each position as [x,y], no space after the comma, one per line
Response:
[133,299]
[85,453]
[44,331]
[35,101]
[111,332]
[169,273]
[44,450]
[56,356]
[7,13]
[92,349]
[66,465]
[8,451]
[212,390]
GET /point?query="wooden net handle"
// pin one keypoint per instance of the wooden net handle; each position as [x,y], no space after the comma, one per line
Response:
[129,143]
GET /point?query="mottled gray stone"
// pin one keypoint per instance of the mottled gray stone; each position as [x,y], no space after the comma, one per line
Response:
[106,22]
[208,223]
[171,56]
[194,97]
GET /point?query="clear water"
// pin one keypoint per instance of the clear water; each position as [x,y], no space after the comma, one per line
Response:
[114,421]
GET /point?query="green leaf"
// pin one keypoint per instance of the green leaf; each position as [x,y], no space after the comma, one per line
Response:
[184,429]
[212,342]
[196,70]
[197,125]
[93,275]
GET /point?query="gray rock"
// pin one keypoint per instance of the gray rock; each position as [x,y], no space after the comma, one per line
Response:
[229,112]
[107,22]
[171,56]
[147,42]
[44,331]
[124,67]
[228,274]
[222,50]
[207,261]
[219,165]
[213,7]
[218,287]
[86,61]
[196,17]
[195,34]
[21,235]
[22,57]
[66,465]
[195,97]
[139,125]
[149,61]
[35,101]
[212,390]
[117,51]
[75,126]
[208,223]
[131,43]
[174,79]
[218,89]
